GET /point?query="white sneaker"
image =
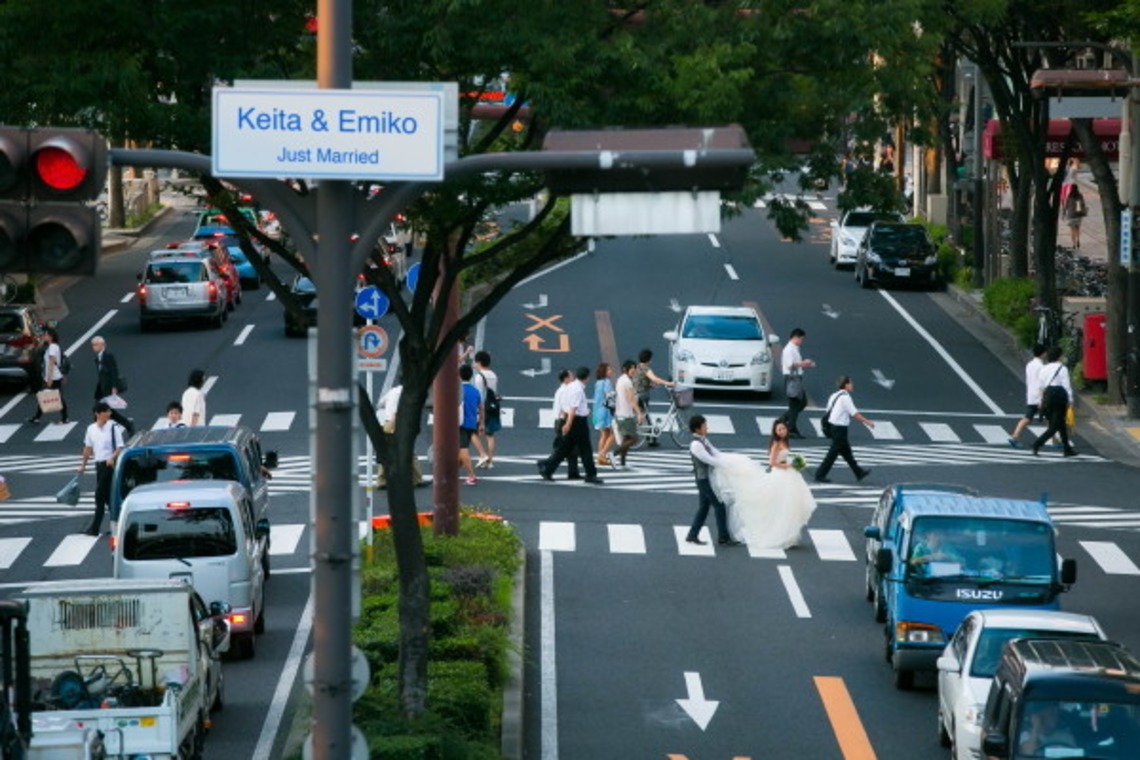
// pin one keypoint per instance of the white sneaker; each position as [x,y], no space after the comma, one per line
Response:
[482,463]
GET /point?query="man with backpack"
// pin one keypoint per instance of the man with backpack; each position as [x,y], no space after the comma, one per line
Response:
[488,384]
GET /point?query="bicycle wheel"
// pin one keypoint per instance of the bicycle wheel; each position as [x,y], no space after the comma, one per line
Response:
[8,288]
[645,432]
[680,432]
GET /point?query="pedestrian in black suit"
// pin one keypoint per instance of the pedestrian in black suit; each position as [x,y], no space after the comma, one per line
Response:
[107,380]
[575,431]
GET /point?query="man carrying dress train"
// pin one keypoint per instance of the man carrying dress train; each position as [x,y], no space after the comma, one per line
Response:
[705,456]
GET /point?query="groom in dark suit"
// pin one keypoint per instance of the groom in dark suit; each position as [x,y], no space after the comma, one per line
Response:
[107,380]
[704,456]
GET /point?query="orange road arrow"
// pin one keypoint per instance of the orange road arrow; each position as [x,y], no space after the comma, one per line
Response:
[535,343]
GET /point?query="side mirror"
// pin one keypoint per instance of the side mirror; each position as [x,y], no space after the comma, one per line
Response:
[872,531]
[995,745]
[221,636]
[670,335]
[948,663]
[1068,571]
[773,339]
[261,530]
[884,560]
[139,276]
[270,459]
[220,609]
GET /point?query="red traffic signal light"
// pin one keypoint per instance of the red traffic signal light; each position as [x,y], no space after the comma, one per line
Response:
[67,164]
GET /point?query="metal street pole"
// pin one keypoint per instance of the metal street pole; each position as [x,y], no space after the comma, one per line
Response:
[334,471]
[1132,341]
[979,186]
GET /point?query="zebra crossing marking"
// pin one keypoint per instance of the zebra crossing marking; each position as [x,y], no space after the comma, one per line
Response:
[556,537]
[1110,557]
[685,549]
[10,549]
[720,424]
[277,421]
[55,432]
[283,539]
[7,431]
[831,545]
[72,550]
[225,420]
[626,539]
[886,431]
[939,432]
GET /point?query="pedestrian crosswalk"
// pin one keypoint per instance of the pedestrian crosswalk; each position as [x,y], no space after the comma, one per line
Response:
[290,541]
[918,428]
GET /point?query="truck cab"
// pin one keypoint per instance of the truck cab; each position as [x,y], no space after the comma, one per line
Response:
[949,554]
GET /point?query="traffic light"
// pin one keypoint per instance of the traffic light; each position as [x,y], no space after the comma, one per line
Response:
[47,176]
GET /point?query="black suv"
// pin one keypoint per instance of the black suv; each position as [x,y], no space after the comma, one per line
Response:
[1063,698]
[20,331]
[894,252]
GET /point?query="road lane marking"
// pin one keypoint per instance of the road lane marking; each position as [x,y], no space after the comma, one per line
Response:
[10,549]
[55,432]
[732,275]
[969,381]
[277,421]
[556,536]
[245,331]
[82,339]
[794,594]
[721,424]
[72,550]
[685,549]
[885,431]
[225,420]
[285,684]
[130,296]
[6,431]
[283,539]
[626,539]
[713,240]
[756,553]
[831,545]
[206,386]
[939,432]
[549,687]
[844,718]
[1110,557]
[607,343]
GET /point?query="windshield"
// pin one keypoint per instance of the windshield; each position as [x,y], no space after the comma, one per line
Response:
[722,327]
[148,466]
[1050,729]
[960,548]
[987,653]
[864,218]
[166,274]
[177,533]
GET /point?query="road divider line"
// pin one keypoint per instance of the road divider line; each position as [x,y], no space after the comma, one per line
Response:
[794,593]
[969,381]
[607,343]
[844,718]
[82,339]
[1110,557]
[128,297]
[549,721]
[732,275]
[245,331]
[206,386]
[284,685]
[714,241]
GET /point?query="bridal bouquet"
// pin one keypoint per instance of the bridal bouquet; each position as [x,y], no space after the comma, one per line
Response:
[798,463]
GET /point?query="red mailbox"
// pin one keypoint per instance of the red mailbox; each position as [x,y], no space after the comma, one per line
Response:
[1093,349]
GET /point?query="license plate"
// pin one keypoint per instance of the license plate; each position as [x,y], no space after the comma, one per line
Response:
[178,292]
[723,375]
[902,272]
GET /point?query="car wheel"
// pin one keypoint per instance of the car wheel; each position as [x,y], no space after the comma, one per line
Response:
[219,697]
[144,325]
[238,291]
[880,608]
[870,586]
[246,647]
[866,279]
[943,734]
[904,679]
[259,624]
[218,319]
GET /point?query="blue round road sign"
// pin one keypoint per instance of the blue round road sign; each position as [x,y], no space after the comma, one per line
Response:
[371,303]
[413,277]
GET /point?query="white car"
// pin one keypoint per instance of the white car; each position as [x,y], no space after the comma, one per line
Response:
[847,233]
[721,348]
[968,663]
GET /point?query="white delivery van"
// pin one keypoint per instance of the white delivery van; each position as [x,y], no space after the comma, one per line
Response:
[202,532]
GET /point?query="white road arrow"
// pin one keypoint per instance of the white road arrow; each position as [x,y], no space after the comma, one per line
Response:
[827,310]
[541,302]
[882,380]
[544,371]
[674,305]
[699,709]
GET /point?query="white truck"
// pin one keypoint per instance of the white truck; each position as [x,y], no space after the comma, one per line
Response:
[122,669]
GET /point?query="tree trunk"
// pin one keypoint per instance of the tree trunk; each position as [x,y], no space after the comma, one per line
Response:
[117,218]
[1022,191]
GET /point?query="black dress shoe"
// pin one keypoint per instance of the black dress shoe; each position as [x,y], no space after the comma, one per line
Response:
[573,476]
[1036,448]
[863,475]
[730,542]
[595,481]
[91,532]
[695,540]
[822,480]
[542,471]
[1071,452]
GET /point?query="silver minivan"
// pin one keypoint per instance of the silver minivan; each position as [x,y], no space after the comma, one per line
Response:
[181,287]
[203,532]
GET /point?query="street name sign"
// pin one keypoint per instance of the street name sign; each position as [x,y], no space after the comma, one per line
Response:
[328,134]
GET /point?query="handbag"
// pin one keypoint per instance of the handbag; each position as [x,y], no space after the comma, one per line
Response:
[1071,418]
[121,384]
[69,494]
[49,400]
[794,386]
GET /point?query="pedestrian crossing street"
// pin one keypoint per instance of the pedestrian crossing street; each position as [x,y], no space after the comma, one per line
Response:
[825,545]
[536,414]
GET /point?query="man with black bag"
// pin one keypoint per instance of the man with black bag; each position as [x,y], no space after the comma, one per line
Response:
[1056,398]
[793,364]
[108,381]
[840,411]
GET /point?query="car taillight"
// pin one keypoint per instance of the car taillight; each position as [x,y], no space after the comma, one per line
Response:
[212,289]
[142,295]
[21,341]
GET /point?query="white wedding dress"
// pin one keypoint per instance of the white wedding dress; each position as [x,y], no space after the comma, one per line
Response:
[766,510]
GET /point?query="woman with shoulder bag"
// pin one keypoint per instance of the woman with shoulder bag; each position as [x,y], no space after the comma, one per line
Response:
[603,412]
[1056,398]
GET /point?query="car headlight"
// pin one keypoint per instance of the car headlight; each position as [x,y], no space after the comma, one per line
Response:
[974,714]
[761,358]
[873,258]
[848,241]
[930,260]
[919,633]
[685,356]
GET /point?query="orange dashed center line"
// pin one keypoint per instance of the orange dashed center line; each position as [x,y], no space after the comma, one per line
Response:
[849,731]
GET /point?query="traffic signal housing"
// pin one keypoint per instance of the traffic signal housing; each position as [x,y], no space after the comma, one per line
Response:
[47,177]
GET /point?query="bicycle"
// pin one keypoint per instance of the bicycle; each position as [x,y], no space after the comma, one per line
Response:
[8,288]
[675,422]
[1065,332]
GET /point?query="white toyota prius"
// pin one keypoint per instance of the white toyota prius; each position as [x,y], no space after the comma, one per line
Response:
[721,348]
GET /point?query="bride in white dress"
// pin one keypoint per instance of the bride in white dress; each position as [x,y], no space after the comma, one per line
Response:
[767,509]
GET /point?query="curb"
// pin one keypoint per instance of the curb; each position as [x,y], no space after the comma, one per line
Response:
[512,720]
[1105,427]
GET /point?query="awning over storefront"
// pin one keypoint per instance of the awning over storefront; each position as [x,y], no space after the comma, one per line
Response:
[1106,130]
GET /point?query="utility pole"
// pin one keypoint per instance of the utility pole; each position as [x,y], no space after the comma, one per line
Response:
[979,185]
[1132,342]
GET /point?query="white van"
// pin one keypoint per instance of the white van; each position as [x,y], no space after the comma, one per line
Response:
[203,532]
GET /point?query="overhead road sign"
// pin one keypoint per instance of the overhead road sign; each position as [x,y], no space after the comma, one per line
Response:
[328,134]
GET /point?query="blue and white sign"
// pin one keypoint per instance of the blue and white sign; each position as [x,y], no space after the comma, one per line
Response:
[413,277]
[328,134]
[371,303]
[1126,237]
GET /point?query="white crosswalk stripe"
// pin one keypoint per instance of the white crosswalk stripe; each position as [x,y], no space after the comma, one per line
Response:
[939,432]
[10,550]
